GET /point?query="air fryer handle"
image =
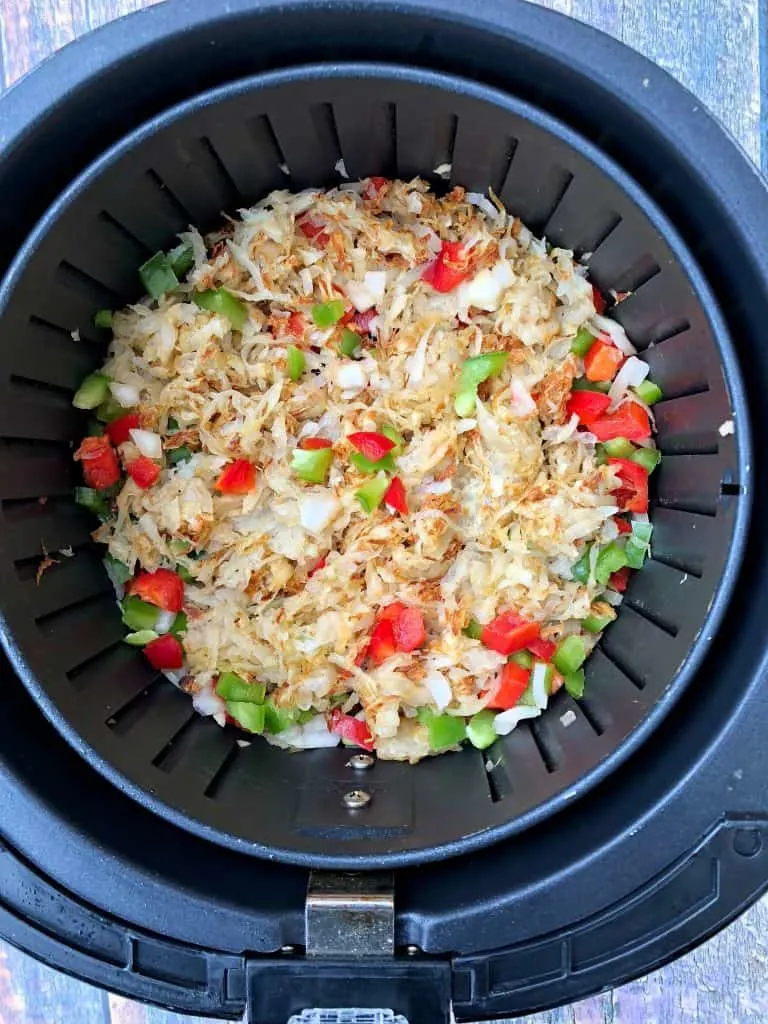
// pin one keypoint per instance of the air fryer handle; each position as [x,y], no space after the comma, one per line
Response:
[278,988]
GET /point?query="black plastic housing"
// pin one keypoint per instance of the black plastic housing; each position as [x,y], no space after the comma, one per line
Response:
[660,853]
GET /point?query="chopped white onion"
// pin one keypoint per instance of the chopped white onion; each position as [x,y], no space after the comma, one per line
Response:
[522,405]
[604,325]
[464,426]
[148,443]
[483,203]
[539,684]
[440,689]
[351,376]
[175,675]
[485,289]
[613,597]
[317,510]
[632,373]
[376,283]
[443,170]
[125,394]
[164,621]
[340,167]
[506,721]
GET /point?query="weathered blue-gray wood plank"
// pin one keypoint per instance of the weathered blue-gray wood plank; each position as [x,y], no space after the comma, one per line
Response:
[714,48]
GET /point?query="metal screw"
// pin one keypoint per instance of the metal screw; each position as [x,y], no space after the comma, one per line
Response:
[287,949]
[360,762]
[356,799]
[412,950]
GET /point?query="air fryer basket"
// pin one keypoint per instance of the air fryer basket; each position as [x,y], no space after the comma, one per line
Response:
[228,148]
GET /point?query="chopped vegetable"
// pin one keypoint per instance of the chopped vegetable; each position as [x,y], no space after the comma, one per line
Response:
[582,384]
[395,498]
[598,300]
[449,269]
[231,686]
[102,318]
[386,465]
[620,579]
[109,410]
[276,719]
[523,658]
[632,492]
[371,494]
[509,632]
[178,455]
[649,392]
[100,466]
[473,372]
[143,471]
[181,259]
[570,654]
[444,730]
[219,300]
[95,501]
[119,430]
[118,571]
[326,314]
[630,421]
[148,442]
[314,231]
[638,544]
[92,392]
[372,445]
[480,729]
[140,638]
[610,559]
[184,573]
[157,276]
[597,623]
[350,729]
[574,682]
[580,569]
[296,362]
[407,625]
[312,465]
[618,448]
[602,361]
[397,439]
[179,625]
[512,684]
[648,458]
[382,644]
[239,477]
[350,342]
[543,649]
[163,588]
[315,444]
[251,717]
[542,676]
[296,325]
[582,343]
[139,615]
[473,630]
[587,405]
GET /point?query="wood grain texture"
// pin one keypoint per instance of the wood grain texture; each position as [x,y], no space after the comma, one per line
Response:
[713,47]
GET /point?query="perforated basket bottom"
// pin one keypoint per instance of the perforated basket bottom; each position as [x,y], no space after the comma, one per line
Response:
[227,149]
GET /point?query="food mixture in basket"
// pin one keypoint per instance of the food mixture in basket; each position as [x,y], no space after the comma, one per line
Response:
[372,467]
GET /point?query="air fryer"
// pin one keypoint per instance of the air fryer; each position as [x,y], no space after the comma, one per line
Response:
[583,848]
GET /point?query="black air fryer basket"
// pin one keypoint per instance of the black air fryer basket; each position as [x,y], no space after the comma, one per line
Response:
[592,846]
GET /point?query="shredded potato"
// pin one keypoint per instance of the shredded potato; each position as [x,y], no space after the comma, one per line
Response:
[289,578]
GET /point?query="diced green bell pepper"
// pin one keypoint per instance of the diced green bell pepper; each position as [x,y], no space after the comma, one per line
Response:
[185,574]
[252,717]
[118,570]
[480,729]
[296,361]
[474,371]
[649,392]
[618,448]
[175,456]
[371,494]
[223,302]
[350,342]
[444,730]
[638,544]
[648,458]
[179,625]
[110,409]
[181,259]
[473,630]
[569,655]
[326,314]
[138,614]
[523,658]
[140,638]
[276,719]
[397,439]
[597,623]
[231,686]
[385,464]
[157,275]
[312,466]
[582,384]
[611,558]
[102,318]
[92,392]
[574,682]
[582,343]
[580,569]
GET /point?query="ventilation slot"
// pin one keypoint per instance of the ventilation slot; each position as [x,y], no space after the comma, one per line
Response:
[366,138]
[174,749]
[597,717]
[225,769]
[643,270]
[677,563]
[153,719]
[636,681]
[530,193]
[424,142]
[265,139]
[650,616]
[59,393]
[141,250]
[173,200]
[227,185]
[499,784]
[80,631]
[94,292]
[123,719]
[56,523]
[548,747]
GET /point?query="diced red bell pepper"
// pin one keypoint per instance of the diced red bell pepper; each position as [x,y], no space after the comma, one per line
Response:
[542,648]
[449,269]
[314,231]
[374,187]
[162,587]
[396,498]
[620,579]
[602,361]
[165,652]
[630,420]
[119,430]
[513,682]
[315,444]
[509,633]
[598,299]
[296,325]
[632,493]
[143,471]
[100,466]
[622,525]
[239,477]
[407,625]
[320,565]
[587,405]
[362,321]
[382,645]
[372,445]
[351,729]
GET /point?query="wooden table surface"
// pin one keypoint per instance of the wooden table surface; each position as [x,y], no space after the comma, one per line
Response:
[718,49]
